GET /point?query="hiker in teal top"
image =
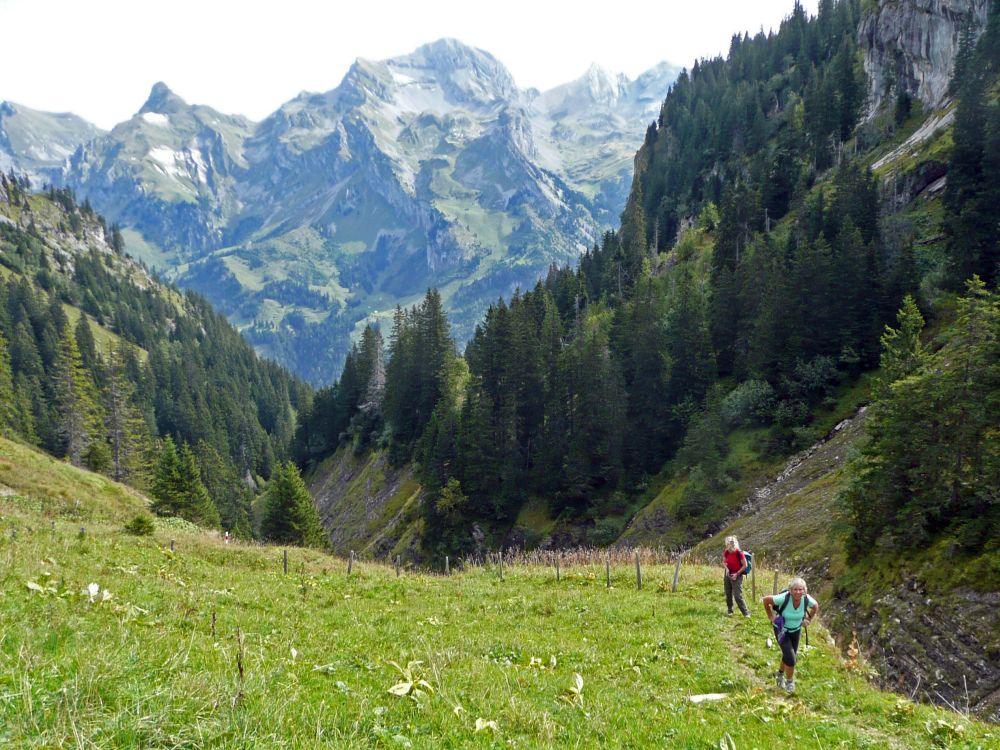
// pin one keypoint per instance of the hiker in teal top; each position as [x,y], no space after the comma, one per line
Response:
[789,612]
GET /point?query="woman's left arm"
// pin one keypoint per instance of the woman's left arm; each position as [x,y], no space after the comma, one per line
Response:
[812,613]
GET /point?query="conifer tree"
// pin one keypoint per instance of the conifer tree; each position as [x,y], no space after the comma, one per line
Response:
[167,480]
[931,465]
[901,349]
[124,426]
[197,503]
[76,411]
[88,349]
[290,516]
[969,224]
[178,489]
[229,491]
[9,417]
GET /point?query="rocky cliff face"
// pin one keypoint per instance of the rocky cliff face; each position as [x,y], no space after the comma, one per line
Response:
[169,171]
[912,44]
[37,144]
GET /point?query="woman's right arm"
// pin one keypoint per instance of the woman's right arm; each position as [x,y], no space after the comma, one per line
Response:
[768,604]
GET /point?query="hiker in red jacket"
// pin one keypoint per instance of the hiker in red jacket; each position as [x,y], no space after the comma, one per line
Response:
[734,563]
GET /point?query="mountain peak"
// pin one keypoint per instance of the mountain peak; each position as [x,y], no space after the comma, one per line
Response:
[465,73]
[162,100]
[451,53]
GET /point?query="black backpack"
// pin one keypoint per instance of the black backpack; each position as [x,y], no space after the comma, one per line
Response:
[788,598]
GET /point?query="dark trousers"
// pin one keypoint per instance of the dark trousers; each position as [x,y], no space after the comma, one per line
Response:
[734,590]
[789,646]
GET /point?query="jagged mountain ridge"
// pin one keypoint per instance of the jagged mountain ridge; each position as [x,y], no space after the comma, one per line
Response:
[431,168]
[39,143]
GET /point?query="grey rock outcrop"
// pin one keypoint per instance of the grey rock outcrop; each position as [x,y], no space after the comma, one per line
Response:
[912,44]
[37,144]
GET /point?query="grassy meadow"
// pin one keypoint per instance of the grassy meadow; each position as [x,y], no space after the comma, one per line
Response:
[109,640]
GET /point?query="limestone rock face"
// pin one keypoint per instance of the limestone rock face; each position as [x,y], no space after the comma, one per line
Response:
[912,44]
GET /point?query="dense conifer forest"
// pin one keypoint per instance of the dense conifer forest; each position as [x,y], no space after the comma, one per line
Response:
[171,400]
[758,268]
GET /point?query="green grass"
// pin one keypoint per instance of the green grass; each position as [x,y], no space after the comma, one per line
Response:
[144,669]
[152,255]
[155,662]
[51,488]
[103,338]
[536,516]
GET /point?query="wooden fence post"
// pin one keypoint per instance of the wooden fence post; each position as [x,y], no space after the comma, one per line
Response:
[677,574]
[501,563]
[557,566]
[285,561]
[607,568]
[638,572]
[239,653]
[171,545]
[397,566]
[774,588]
[350,563]
[447,566]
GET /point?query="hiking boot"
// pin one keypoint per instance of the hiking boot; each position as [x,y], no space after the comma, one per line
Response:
[746,614]
[779,679]
[790,685]
[729,614]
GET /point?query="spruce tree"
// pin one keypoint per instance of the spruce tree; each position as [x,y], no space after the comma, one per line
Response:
[88,349]
[901,349]
[229,491]
[166,480]
[197,503]
[178,489]
[124,426]
[931,465]
[969,223]
[76,411]
[290,516]
[9,417]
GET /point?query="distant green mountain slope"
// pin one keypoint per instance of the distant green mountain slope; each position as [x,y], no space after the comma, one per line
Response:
[99,360]
[426,169]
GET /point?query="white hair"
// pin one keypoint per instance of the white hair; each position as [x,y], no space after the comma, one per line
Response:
[732,542]
[797,582]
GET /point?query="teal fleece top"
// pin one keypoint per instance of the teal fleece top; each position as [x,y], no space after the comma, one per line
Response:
[793,617]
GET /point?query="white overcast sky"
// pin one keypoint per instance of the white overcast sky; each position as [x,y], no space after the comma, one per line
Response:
[99,58]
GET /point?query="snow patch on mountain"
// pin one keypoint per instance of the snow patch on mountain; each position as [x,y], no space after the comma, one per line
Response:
[155,118]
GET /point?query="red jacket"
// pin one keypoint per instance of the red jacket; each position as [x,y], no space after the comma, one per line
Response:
[734,560]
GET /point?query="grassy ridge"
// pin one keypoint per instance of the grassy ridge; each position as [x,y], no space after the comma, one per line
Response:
[143,668]
[47,487]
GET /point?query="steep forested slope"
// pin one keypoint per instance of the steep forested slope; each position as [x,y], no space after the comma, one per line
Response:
[781,249]
[98,360]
